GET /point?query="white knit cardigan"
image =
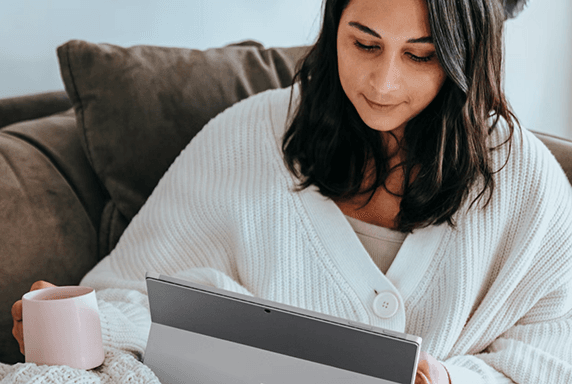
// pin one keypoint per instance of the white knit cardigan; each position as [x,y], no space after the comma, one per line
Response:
[492,298]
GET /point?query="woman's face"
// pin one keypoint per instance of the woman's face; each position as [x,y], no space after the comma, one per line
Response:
[387,64]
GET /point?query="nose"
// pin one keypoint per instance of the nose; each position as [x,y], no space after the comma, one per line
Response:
[386,79]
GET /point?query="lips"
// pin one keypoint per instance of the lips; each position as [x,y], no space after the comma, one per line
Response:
[381,107]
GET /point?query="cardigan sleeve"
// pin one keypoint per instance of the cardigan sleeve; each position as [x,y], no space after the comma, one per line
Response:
[184,230]
[535,350]
[190,228]
[537,346]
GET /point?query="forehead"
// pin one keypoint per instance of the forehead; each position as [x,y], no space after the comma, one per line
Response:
[396,19]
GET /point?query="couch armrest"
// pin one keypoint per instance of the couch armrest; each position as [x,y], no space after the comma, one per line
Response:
[29,107]
[51,204]
[561,149]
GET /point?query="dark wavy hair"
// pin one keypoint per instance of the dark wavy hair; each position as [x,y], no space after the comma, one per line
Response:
[329,146]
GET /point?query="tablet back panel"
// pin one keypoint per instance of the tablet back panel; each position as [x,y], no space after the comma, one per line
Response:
[198,335]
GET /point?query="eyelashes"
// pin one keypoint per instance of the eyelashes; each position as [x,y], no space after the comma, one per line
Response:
[367,48]
[371,48]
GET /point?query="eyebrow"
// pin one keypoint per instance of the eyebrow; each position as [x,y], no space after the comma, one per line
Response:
[369,31]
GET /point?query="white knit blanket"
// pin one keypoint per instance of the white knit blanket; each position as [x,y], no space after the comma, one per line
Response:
[118,367]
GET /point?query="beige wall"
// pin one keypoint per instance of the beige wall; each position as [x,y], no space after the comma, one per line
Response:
[539,66]
[31,30]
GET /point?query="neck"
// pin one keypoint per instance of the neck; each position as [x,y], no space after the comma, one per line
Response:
[393,141]
[395,149]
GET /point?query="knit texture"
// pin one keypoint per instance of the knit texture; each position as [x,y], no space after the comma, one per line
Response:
[491,298]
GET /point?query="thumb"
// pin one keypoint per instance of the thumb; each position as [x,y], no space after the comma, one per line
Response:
[41,284]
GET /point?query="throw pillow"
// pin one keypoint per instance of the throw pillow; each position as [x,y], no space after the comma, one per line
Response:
[138,107]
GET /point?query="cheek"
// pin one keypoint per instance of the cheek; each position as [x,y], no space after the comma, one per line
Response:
[350,71]
[425,88]
[343,65]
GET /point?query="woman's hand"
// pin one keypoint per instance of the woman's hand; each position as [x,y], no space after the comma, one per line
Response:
[431,371]
[18,328]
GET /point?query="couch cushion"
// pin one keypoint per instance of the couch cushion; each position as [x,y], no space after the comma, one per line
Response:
[138,107]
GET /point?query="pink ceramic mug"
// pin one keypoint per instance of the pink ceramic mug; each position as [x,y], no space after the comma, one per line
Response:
[62,327]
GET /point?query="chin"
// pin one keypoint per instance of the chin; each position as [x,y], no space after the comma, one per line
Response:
[380,121]
[385,125]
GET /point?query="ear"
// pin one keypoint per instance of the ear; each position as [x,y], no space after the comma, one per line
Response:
[513,7]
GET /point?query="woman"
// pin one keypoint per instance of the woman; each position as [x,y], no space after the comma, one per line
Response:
[391,169]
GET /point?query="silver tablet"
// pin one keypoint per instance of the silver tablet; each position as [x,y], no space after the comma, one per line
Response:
[201,334]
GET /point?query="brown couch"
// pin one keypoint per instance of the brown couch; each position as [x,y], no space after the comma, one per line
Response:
[76,166]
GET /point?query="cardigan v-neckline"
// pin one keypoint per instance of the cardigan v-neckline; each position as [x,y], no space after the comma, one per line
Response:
[406,270]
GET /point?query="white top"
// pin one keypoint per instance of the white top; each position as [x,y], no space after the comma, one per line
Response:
[381,243]
[491,298]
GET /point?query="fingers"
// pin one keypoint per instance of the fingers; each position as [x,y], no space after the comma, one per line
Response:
[423,368]
[422,379]
[17,306]
[18,325]
[430,370]
[17,310]
[18,333]
[40,284]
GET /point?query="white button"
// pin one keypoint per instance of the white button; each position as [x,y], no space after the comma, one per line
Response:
[385,305]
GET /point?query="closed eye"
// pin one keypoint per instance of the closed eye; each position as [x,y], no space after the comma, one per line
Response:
[367,48]
[421,59]
[371,48]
